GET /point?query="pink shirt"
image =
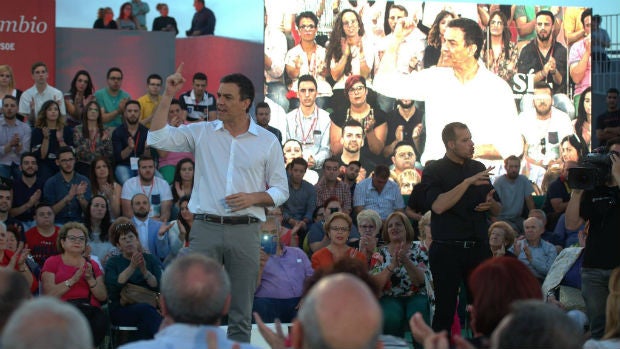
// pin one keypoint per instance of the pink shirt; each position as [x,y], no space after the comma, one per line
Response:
[576,52]
[63,272]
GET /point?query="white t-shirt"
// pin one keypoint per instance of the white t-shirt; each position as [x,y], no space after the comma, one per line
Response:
[158,192]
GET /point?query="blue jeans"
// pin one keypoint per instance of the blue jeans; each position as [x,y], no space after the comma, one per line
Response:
[271,309]
[143,316]
[594,289]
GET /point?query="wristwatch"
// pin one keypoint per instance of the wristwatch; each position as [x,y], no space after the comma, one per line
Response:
[68,283]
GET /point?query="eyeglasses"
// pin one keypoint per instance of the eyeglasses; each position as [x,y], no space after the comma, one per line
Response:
[75,238]
[339,229]
[64,161]
[356,89]
[307,27]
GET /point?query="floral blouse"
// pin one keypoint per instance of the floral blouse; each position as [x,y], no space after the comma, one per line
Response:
[504,66]
[400,284]
[87,149]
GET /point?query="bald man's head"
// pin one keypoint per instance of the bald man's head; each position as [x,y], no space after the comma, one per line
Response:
[340,312]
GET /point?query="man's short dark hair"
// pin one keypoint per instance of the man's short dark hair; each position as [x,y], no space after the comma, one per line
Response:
[356,163]
[511,158]
[9,97]
[63,150]
[543,85]
[154,76]
[382,171]
[112,70]
[246,87]
[401,8]
[35,65]
[352,123]
[332,159]
[133,101]
[262,105]
[145,157]
[175,101]
[28,154]
[402,144]
[472,34]
[449,131]
[299,161]
[306,14]
[612,90]
[586,13]
[306,77]
[199,76]
[4,187]
[546,13]
[41,205]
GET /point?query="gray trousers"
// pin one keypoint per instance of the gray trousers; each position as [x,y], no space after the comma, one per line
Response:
[237,248]
[594,289]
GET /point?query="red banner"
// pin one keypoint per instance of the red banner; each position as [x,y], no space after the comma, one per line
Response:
[27,35]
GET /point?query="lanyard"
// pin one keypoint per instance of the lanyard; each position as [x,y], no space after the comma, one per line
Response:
[136,139]
[300,125]
[150,190]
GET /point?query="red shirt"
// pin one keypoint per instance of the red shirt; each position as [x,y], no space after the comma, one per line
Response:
[40,246]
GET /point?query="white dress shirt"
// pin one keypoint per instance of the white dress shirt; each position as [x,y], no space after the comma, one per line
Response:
[226,165]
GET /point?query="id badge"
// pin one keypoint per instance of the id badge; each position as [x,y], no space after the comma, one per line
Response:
[133,163]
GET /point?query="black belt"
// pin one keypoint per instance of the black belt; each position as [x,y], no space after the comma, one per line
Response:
[226,219]
[461,244]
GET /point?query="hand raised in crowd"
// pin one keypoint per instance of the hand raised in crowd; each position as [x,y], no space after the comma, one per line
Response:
[46,132]
[174,82]
[264,257]
[164,228]
[527,251]
[481,178]
[518,245]
[137,259]
[275,339]
[403,28]
[59,136]
[14,140]
[77,275]
[417,131]
[615,165]
[108,190]
[19,257]
[311,161]
[122,103]
[130,143]
[72,192]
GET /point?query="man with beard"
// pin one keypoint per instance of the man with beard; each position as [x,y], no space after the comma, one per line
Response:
[309,124]
[6,197]
[263,116]
[27,190]
[199,104]
[331,186]
[544,129]
[514,190]
[153,234]
[608,123]
[154,188]
[297,210]
[67,191]
[459,192]
[129,143]
[405,124]
[352,174]
[545,59]
[352,142]
[14,138]
[113,99]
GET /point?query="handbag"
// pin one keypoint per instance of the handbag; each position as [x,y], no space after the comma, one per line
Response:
[132,294]
[571,298]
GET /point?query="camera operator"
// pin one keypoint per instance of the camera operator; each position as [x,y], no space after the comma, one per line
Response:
[600,206]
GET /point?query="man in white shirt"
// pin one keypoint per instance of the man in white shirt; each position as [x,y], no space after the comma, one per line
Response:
[33,98]
[239,171]
[154,188]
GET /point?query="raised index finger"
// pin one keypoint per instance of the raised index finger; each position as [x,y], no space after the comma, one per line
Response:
[180,68]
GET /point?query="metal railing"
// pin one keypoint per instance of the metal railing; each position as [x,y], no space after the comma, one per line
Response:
[610,77]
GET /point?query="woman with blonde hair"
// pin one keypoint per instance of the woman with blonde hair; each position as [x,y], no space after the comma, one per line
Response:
[369,225]
[7,83]
[501,238]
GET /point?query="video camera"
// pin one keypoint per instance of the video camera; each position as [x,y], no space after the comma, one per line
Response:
[594,170]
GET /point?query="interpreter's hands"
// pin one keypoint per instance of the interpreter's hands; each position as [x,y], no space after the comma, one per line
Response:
[175,81]
[481,178]
[212,341]
[239,201]
[487,204]
[275,339]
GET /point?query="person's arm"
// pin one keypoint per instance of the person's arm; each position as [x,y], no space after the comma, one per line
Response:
[376,138]
[525,28]
[578,69]
[115,201]
[32,202]
[447,200]
[173,83]
[335,135]
[164,214]
[529,202]
[572,215]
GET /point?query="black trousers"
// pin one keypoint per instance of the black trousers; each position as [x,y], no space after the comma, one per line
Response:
[451,265]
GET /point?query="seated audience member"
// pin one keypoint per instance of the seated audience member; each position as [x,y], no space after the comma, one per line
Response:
[32,100]
[91,139]
[6,198]
[75,279]
[571,149]
[330,185]
[515,191]
[378,193]
[302,198]
[608,123]
[80,94]
[113,99]
[282,276]
[50,133]
[533,251]
[195,297]
[533,324]
[540,214]
[135,267]
[129,143]
[14,138]
[501,238]
[103,183]
[156,190]
[169,160]
[179,231]
[164,22]
[495,284]
[105,19]
[14,292]
[293,149]
[557,196]
[563,237]
[150,100]
[562,285]
[7,85]
[263,116]
[403,158]
[405,125]
[151,232]
[67,191]
[182,184]
[611,338]
[27,190]
[48,323]
[203,22]
[43,237]
[352,174]
[317,238]
[126,19]
[338,229]
[198,103]
[399,268]
[369,225]
[16,260]
[97,221]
